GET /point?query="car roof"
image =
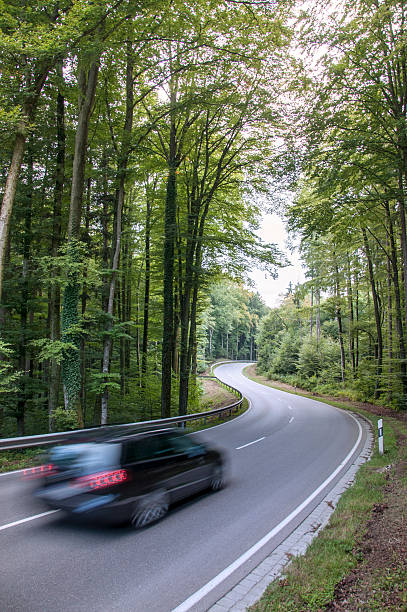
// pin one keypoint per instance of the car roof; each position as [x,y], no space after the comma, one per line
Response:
[117,433]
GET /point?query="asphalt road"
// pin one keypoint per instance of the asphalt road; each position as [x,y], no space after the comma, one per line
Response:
[281,451]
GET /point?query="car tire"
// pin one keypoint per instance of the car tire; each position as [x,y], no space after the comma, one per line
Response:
[149,510]
[217,481]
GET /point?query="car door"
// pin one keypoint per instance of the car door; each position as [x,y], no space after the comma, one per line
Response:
[189,460]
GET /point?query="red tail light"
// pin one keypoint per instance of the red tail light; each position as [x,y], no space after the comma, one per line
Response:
[39,470]
[101,480]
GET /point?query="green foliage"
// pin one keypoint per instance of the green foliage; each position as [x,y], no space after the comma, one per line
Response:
[64,420]
[319,358]
[284,360]
[8,377]
[71,375]
[53,349]
[99,382]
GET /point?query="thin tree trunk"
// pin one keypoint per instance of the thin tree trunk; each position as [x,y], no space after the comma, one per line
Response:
[318,317]
[311,317]
[340,326]
[351,318]
[121,172]
[376,308]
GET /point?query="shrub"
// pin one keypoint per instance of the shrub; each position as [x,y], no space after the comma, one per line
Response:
[64,420]
[285,358]
[320,358]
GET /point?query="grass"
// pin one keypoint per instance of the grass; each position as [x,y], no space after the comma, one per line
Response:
[309,581]
[18,459]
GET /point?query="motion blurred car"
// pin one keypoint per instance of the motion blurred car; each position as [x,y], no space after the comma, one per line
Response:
[126,477]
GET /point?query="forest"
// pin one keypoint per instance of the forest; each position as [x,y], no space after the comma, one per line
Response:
[140,144]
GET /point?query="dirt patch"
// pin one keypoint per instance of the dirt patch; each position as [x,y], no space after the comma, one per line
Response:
[215,396]
[379,581]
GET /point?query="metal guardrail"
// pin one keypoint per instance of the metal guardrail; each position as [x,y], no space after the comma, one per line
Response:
[53,438]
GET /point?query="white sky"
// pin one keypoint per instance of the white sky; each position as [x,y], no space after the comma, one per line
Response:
[273,230]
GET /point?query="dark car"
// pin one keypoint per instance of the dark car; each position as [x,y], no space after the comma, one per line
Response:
[132,476]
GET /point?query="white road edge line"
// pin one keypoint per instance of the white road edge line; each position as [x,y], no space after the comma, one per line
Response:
[209,586]
[13,472]
[250,443]
[26,520]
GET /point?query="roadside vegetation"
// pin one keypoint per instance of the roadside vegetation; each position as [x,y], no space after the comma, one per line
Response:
[358,562]
[214,395]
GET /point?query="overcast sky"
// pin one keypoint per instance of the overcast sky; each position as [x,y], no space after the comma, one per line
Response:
[273,230]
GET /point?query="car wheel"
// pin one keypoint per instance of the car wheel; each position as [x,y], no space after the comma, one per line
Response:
[152,508]
[217,481]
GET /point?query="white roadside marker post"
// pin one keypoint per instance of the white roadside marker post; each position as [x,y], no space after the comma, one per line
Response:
[380,426]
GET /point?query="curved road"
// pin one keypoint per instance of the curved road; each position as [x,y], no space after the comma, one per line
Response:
[281,452]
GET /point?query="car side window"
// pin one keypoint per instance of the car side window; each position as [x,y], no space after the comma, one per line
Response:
[150,447]
[184,444]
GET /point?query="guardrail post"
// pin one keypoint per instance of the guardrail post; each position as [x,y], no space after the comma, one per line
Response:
[380,427]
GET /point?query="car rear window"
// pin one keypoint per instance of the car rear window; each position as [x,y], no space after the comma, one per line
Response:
[90,456]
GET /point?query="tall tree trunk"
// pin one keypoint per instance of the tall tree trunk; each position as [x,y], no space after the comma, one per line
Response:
[357,320]
[185,312]
[168,284]
[28,114]
[54,302]
[390,328]
[128,307]
[24,356]
[403,231]
[82,408]
[8,197]
[146,309]
[71,374]
[397,299]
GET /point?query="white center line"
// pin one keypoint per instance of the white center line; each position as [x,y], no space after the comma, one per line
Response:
[250,443]
[26,520]
[291,420]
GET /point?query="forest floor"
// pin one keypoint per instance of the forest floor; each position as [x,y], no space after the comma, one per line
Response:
[376,574]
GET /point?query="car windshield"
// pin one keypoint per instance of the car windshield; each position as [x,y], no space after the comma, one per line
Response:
[89,457]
